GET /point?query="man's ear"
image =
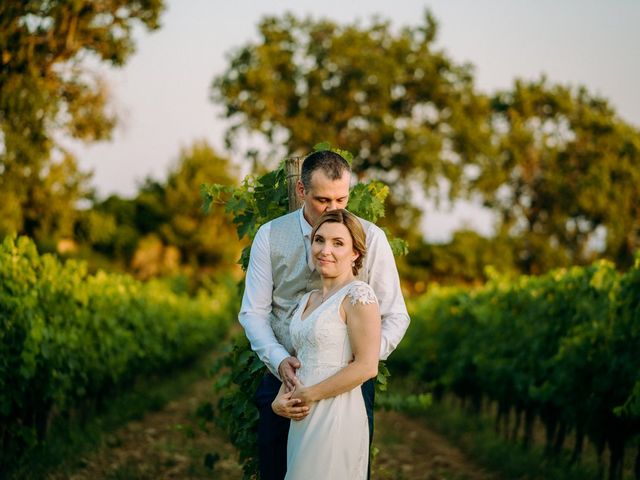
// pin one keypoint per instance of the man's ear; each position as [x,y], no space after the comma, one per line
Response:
[300,189]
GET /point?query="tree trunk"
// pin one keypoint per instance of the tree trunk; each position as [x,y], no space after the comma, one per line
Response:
[529,419]
[560,437]
[616,457]
[292,167]
[500,413]
[516,424]
[600,445]
[577,449]
[551,425]
[506,423]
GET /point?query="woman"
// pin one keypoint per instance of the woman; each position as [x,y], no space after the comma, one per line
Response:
[336,334]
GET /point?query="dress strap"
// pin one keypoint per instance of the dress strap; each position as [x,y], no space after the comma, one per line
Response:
[361,293]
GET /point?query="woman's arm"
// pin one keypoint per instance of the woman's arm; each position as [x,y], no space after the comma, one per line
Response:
[363,325]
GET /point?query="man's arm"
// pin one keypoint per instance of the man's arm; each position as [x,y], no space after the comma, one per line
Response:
[256,304]
[385,281]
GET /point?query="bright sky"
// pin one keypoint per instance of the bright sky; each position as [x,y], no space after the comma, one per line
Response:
[162,94]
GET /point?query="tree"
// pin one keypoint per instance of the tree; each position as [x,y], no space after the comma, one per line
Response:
[47,91]
[462,260]
[409,111]
[203,240]
[163,230]
[567,170]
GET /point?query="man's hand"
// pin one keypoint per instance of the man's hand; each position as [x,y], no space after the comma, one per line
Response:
[288,407]
[287,371]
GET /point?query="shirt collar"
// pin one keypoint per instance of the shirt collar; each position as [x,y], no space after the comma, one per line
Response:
[304,225]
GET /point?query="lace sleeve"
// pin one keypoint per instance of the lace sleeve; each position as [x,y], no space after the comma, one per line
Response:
[361,293]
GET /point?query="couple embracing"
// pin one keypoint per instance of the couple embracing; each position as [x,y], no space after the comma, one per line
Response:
[322,304]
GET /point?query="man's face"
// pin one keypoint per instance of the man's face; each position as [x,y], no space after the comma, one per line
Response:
[324,195]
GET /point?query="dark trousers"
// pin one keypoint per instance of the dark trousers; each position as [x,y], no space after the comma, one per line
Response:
[274,429]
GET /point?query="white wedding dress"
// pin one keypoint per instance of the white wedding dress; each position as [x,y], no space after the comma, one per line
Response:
[332,442]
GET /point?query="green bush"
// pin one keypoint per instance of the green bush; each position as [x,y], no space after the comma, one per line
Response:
[69,340]
[563,348]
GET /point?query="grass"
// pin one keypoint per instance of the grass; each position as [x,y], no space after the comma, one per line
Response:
[69,441]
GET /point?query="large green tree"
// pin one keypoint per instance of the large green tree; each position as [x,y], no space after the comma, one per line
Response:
[556,163]
[565,178]
[48,91]
[409,113]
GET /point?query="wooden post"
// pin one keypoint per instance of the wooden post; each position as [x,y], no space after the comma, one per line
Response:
[292,166]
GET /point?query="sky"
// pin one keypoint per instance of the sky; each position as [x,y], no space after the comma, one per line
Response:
[162,93]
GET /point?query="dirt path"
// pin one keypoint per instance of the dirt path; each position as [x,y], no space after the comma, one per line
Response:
[168,444]
[408,449]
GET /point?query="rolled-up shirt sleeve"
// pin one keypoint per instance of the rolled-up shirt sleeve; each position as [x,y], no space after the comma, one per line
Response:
[256,304]
[385,281]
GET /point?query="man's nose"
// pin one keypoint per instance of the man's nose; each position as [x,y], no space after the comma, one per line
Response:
[331,206]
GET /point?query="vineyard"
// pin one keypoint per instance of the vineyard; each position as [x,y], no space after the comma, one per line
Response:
[562,349]
[70,341]
[513,212]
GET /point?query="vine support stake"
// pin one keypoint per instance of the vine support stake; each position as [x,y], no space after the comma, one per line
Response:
[292,167]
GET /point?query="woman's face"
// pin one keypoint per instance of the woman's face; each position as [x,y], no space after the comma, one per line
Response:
[332,250]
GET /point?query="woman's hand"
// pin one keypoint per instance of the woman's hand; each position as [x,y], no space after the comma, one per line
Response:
[302,393]
[288,407]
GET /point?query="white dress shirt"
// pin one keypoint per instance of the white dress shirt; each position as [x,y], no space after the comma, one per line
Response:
[383,277]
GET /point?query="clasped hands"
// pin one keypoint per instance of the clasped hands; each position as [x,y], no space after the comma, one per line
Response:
[292,401]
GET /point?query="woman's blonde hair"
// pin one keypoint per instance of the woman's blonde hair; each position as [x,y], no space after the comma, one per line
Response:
[354,226]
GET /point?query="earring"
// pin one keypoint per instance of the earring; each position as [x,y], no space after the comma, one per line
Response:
[353,264]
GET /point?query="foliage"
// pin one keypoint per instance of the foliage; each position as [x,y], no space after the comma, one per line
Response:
[566,172]
[561,348]
[200,239]
[236,410]
[69,340]
[465,259]
[557,165]
[162,230]
[404,402]
[48,90]
[409,110]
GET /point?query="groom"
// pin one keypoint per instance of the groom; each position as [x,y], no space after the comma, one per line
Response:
[281,271]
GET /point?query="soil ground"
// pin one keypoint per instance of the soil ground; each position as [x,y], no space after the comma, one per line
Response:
[168,444]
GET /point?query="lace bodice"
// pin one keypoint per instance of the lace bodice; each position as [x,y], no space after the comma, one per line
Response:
[321,341]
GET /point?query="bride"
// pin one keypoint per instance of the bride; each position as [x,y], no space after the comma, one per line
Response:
[336,334]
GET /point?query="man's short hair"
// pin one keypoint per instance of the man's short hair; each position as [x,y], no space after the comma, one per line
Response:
[331,163]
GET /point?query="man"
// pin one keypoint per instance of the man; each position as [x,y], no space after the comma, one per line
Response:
[281,271]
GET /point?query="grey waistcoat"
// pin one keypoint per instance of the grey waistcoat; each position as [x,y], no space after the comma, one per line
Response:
[292,277]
